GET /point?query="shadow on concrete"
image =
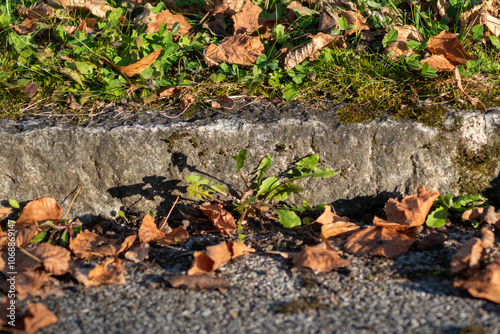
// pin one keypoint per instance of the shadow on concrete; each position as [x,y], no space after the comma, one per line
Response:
[363,208]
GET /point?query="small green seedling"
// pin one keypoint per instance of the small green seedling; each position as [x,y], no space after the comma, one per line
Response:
[263,192]
[13,203]
[122,214]
[444,204]
[59,233]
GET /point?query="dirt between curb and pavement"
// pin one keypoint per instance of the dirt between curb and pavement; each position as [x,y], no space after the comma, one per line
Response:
[138,163]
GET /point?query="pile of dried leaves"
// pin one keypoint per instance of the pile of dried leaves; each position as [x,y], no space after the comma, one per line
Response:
[38,268]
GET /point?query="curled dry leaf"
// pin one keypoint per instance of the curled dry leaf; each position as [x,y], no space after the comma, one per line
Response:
[486,214]
[203,281]
[485,14]
[399,48]
[149,232]
[413,209]
[87,25]
[39,210]
[171,93]
[139,66]
[484,284]
[202,264]
[31,89]
[447,44]
[223,102]
[96,7]
[169,19]
[356,19]
[37,316]
[319,259]
[88,244]
[139,253]
[238,248]
[111,271]
[311,49]
[468,258]
[222,219]
[55,259]
[439,62]
[379,241]
[247,20]
[39,12]
[127,243]
[337,228]
[239,49]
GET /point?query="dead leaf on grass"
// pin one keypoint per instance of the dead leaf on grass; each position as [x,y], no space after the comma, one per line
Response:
[31,89]
[223,102]
[399,48]
[165,16]
[139,66]
[37,316]
[311,50]
[171,93]
[356,19]
[87,25]
[239,49]
[222,219]
[96,7]
[39,210]
[202,281]
[247,20]
[319,259]
[439,62]
[379,241]
[485,14]
[55,259]
[447,44]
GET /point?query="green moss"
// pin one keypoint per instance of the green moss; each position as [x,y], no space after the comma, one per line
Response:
[431,116]
[476,170]
[280,148]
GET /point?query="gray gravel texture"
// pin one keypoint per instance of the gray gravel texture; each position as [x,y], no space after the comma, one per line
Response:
[267,294]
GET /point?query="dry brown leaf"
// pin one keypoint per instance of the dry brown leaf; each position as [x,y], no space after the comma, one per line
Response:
[111,271]
[337,228]
[139,253]
[171,93]
[37,316]
[39,12]
[149,232]
[26,27]
[223,102]
[399,48]
[237,248]
[214,257]
[31,89]
[139,66]
[356,19]
[439,62]
[22,237]
[36,283]
[293,9]
[127,243]
[247,20]
[169,19]
[55,259]
[202,264]
[4,212]
[239,49]
[222,219]
[88,244]
[177,236]
[484,284]
[202,281]
[473,213]
[485,14]
[413,209]
[379,241]
[23,262]
[219,253]
[319,259]
[468,258]
[39,210]
[447,44]
[87,24]
[311,49]
[96,7]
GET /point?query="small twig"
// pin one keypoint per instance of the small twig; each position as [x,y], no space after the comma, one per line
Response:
[74,197]
[30,255]
[166,219]
[178,114]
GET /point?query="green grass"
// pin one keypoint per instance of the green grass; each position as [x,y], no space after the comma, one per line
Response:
[73,69]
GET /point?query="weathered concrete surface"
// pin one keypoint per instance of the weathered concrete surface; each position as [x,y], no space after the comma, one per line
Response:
[143,166]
